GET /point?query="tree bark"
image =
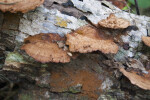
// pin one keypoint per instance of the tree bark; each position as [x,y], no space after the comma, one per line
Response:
[92,76]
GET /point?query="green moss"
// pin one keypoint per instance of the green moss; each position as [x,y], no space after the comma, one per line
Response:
[15,57]
[107,97]
[141,3]
[44,65]
[25,97]
[84,98]
[75,89]
[44,85]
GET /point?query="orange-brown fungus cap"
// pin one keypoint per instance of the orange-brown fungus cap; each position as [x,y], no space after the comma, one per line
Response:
[19,5]
[88,39]
[46,37]
[113,22]
[146,40]
[143,81]
[43,48]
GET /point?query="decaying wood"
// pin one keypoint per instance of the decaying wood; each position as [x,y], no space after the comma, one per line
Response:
[91,76]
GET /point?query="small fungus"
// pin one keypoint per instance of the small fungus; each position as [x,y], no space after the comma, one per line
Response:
[143,81]
[113,22]
[88,39]
[19,5]
[146,40]
[44,48]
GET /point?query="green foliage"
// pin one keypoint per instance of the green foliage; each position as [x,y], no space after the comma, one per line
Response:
[15,57]
[142,3]
[126,7]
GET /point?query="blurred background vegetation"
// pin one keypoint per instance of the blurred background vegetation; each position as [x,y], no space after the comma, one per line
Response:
[129,6]
[144,6]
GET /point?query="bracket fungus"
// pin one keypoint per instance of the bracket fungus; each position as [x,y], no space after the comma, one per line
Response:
[113,22]
[143,81]
[146,40]
[88,39]
[19,5]
[44,48]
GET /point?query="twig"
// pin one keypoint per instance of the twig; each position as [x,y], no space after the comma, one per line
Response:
[137,8]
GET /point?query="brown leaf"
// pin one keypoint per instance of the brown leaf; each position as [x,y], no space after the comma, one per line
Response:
[19,5]
[88,39]
[113,22]
[141,81]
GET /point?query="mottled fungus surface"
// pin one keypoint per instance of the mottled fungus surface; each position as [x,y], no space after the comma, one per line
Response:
[44,48]
[146,40]
[88,39]
[113,22]
[19,5]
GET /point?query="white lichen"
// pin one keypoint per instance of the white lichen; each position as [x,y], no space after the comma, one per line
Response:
[94,6]
[106,85]
[43,20]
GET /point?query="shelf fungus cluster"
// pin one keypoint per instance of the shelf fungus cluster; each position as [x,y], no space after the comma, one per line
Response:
[47,47]
[19,5]
[87,38]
